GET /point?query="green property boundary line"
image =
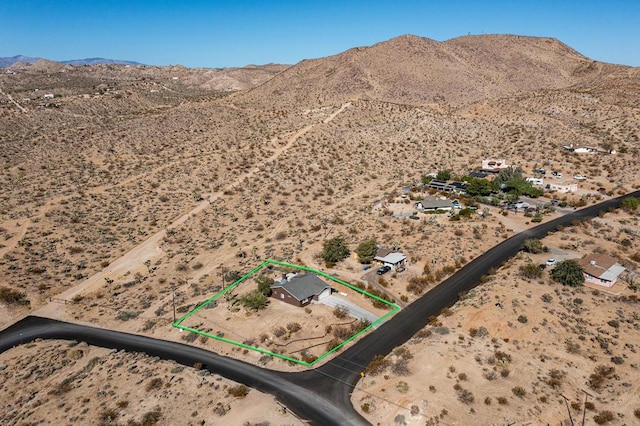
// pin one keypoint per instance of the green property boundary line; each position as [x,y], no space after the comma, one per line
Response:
[178,323]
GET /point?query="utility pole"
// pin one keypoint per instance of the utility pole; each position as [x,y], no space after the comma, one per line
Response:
[173,294]
[566,401]
[584,411]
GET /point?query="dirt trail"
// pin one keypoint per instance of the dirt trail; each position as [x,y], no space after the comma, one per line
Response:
[20,231]
[150,248]
[20,107]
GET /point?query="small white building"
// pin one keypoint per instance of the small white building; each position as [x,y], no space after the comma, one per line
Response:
[48,96]
[562,188]
[494,165]
[394,259]
[535,181]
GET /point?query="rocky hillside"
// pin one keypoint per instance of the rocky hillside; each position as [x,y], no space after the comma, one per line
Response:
[419,71]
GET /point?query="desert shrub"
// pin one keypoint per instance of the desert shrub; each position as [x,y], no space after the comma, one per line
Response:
[502,400]
[108,416]
[636,413]
[239,391]
[466,396]
[555,378]
[10,296]
[547,298]
[365,407]
[502,356]
[399,420]
[401,367]
[279,331]
[523,319]
[478,332]
[340,312]
[377,365]
[487,400]
[190,338]
[534,246]
[293,327]
[530,270]
[281,235]
[333,343]
[402,387]
[618,360]
[264,284]
[151,418]
[341,333]
[519,391]
[603,417]
[600,374]
[154,384]
[572,347]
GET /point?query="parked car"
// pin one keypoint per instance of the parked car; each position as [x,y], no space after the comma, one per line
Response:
[414,217]
[557,174]
[551,262]
[579,177]
[540,170]
[383,270]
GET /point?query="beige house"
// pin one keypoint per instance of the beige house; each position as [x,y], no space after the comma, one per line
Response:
[601,269]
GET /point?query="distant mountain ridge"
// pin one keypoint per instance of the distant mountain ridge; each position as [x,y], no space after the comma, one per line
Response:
[8,61]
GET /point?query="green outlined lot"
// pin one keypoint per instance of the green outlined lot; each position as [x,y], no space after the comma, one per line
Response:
[213,300]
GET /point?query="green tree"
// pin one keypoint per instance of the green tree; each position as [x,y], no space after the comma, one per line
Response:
[534,245]
[630,204]
[443,174]
[254,300]
[334,250]
[479,187]
[264,285]
[366,251]
[568,272]
[506,175]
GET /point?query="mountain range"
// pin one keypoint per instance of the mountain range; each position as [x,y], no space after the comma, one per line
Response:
[8,61]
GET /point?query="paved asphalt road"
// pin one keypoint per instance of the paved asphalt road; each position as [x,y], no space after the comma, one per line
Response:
[321,395]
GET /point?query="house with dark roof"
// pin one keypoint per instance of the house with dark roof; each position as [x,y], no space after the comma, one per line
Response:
[446,186]
[601,269]
[300,290]
[432,203]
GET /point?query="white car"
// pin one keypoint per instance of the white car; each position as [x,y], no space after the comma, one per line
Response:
[579,177]
[551,262]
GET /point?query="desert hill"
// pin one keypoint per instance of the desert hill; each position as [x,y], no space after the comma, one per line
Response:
[415,70]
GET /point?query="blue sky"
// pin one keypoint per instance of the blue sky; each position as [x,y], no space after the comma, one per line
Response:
[199,33]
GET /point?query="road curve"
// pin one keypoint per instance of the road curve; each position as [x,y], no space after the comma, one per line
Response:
[304,401]
[321,395]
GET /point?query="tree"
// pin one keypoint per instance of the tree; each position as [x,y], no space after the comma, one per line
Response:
[366,251]
[478,187]
[264,285]
[507,174]
[443,174]
[534,246]
[568,272]
[254,300]
[334,250]
[630,204]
